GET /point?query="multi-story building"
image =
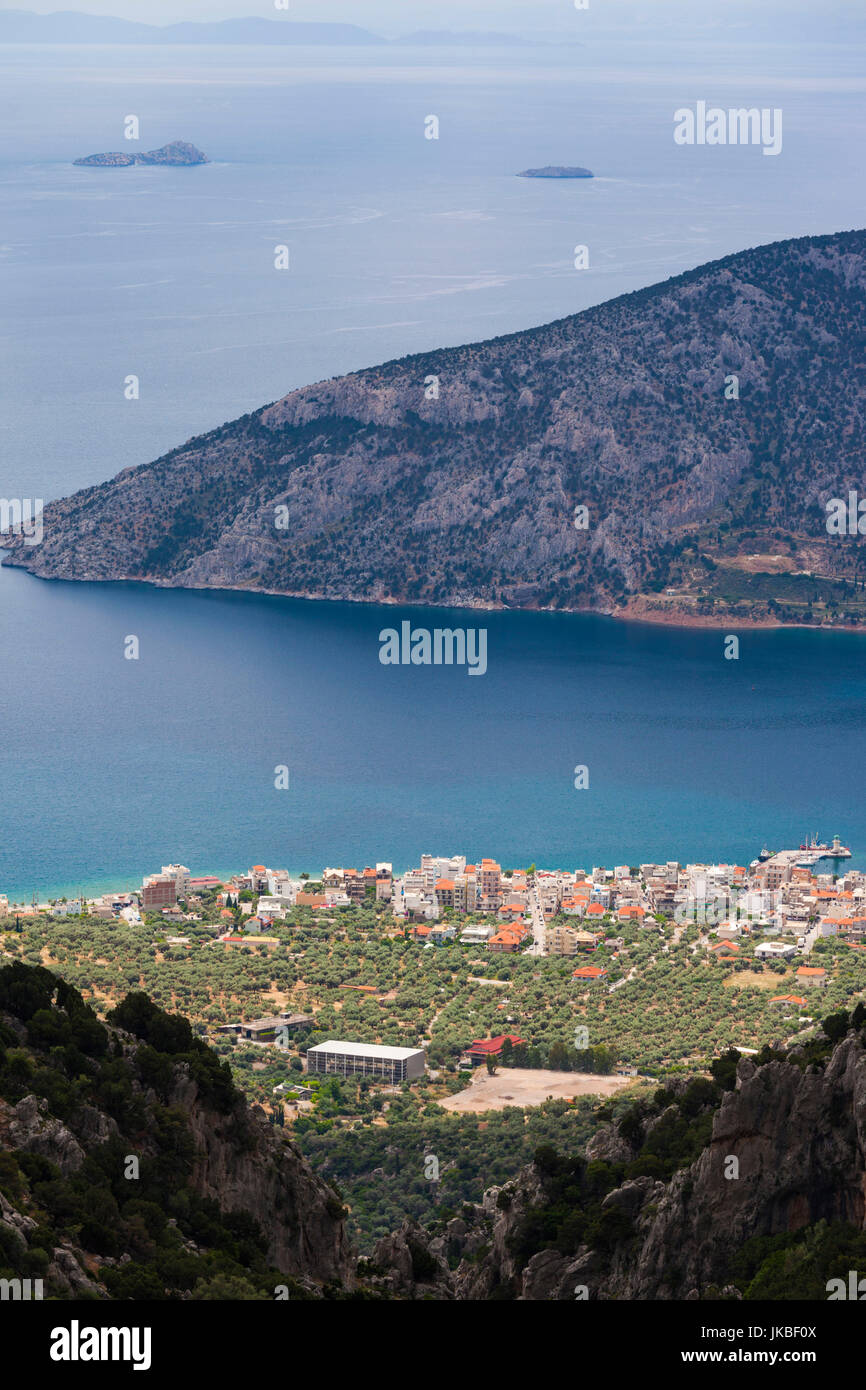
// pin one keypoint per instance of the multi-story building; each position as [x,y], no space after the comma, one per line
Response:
[280,885]
[180,874]
[466,892]
[258,878]
[567,941]
[812,975]
[441,866]
[68,909]
[391,1064]
[661,896]
[774,872]
[272,907]
[490,881]
[354,885]
[549,890]
[419,907]
[573,907]
[779,950]
[477,935]
[444,891]
[157,893]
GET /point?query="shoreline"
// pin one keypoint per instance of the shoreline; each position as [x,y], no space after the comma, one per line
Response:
[633,611]
[95,889]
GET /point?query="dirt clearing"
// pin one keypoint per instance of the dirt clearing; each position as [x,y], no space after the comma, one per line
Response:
[521,1086]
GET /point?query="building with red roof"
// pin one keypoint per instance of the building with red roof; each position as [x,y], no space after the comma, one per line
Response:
[812,975]
[482,1048]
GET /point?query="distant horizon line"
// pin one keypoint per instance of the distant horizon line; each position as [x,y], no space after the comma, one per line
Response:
[364,37]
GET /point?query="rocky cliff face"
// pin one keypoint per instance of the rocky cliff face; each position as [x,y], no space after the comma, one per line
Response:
[800,1142]
[79,1101]
[244,1165]
[239,1163]
[799,1139]
[457,477]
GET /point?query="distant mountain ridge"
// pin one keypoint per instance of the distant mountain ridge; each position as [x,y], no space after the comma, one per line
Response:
[601,462]
[71,26]
[21,26]
[463,37]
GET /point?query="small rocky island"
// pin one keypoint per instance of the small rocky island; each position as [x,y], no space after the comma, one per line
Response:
[557,171]
[177,153]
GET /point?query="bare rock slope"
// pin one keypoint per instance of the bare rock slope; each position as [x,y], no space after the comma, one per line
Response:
[453,477]
[773,1203]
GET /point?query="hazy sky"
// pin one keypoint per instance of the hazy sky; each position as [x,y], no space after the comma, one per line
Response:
[787,18]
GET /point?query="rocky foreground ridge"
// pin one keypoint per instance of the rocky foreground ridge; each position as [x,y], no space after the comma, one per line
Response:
[458,476]
[131,1167]
[772,1205]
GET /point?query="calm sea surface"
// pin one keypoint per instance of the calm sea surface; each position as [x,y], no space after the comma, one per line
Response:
[111,767]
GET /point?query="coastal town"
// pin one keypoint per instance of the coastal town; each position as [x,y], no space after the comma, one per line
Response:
[558,912]
[770,913]
[464,1010]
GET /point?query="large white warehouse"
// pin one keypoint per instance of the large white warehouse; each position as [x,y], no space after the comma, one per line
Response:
[366,1059]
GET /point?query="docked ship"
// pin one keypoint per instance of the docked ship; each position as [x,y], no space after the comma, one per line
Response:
[818,850]
[761,859]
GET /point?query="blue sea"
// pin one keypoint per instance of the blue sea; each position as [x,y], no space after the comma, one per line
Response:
[398,244]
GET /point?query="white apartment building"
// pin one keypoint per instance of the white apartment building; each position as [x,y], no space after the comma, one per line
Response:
[435,867]
[180,874]
[476,935]
[780,950]
[419,905]
[272,907]
[281,886]
[755,902]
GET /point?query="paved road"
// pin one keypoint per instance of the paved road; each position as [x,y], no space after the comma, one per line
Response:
[539,931]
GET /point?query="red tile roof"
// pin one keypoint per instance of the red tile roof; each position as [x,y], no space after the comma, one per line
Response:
[492,1046]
